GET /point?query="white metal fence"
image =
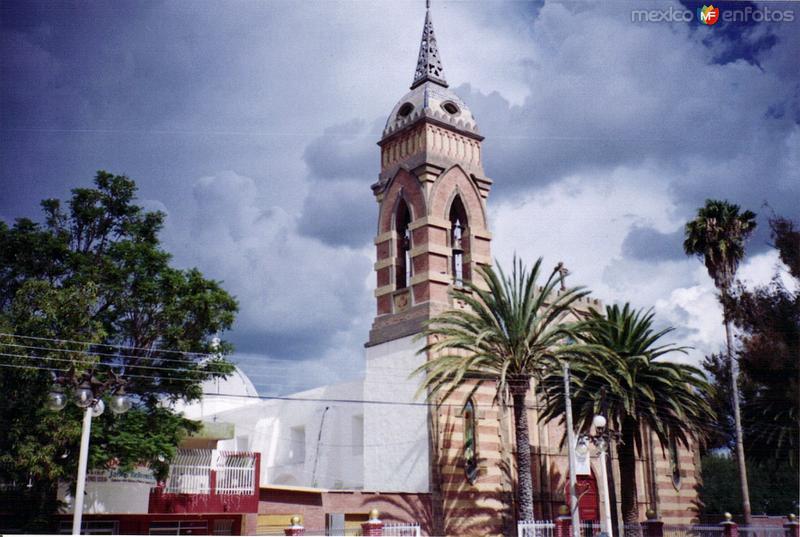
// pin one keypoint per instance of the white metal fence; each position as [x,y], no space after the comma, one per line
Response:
[235,473]
[762,531]
[401,530]
[190,472]
[546,528]
[535,528]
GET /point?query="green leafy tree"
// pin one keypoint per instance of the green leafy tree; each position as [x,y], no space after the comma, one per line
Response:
[723,435]
[717,236]
[628,383]
[773,487]
[769,355]
[94,287]
[510,331]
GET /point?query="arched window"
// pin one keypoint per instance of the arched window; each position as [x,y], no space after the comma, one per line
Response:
[458,244]
[674,464]
[403,260]
[470,442]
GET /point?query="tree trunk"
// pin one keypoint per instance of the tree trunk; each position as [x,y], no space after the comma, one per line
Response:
[627,470]
[737,418]
[524,481]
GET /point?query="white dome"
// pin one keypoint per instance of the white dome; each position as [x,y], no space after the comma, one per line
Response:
[434,101]
[235,384]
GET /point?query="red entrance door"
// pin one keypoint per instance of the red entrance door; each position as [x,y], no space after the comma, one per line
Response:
[588,499]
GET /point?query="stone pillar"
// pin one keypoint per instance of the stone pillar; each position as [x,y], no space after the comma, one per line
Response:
[563,522]
[729,527]
[652,527]
[296,528]
[792,527]
[373,526]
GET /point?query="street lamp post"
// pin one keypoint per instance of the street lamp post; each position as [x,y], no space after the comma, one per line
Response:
[602,440]
[88,392]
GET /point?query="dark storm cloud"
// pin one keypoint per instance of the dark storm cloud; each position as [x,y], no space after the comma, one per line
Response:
[173,94]
[340,213]
[340,208]
[649,244]
[343,151]
[281,345]
[747,40]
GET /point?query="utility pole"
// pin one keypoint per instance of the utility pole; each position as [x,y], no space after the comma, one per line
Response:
[573,497]
[83,460]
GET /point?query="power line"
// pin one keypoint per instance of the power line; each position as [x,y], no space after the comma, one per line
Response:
[89,343]
[675,420]
[122,364]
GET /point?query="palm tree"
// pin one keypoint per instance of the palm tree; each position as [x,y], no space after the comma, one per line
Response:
[717,237]
[625,381]
[510,331]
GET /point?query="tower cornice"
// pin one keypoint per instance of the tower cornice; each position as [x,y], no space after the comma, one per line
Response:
[432,121]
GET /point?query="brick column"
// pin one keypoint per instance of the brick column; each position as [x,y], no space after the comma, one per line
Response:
[729,527]
[296,528]
[792,527]
[373,526]
[652,527]
[563,522]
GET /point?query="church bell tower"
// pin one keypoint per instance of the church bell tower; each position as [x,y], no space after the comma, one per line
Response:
[431,192]
[432,236]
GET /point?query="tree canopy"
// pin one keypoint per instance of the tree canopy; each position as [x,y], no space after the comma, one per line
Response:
[91,288]
[509,332]
[768,352]
[717,237]
[625,380]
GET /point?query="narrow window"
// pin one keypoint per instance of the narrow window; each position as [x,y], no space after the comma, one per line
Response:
[458,244]
[357,435]
[297,451]
[403,260]
[674,464]
[470,442]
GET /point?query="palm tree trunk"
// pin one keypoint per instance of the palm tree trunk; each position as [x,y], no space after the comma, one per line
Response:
[737,418]
[627,469]
[524,481]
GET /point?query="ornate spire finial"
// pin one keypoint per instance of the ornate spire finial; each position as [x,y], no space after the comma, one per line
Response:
[429,65]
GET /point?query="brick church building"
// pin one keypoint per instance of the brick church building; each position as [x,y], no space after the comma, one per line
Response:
[432,235]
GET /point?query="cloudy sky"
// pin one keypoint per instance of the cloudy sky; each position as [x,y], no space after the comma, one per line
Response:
[253,124]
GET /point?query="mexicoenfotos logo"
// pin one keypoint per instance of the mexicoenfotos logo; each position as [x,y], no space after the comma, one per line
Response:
[708,14]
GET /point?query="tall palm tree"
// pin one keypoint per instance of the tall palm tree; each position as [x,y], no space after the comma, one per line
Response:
[717,236]
[627,383]
[511,329]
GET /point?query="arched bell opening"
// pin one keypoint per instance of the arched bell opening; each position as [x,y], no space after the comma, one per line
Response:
[402,246]
[459,242]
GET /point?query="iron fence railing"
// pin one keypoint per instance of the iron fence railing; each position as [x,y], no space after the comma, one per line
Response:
[546,528]
[401,530]
[235,473]
[191,470]
[536,528]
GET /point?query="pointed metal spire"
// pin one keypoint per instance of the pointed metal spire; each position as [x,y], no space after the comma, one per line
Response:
[429,65]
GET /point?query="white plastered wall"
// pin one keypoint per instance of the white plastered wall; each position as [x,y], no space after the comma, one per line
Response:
[395,435]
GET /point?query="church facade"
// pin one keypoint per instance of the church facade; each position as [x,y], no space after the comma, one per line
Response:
[432,235]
